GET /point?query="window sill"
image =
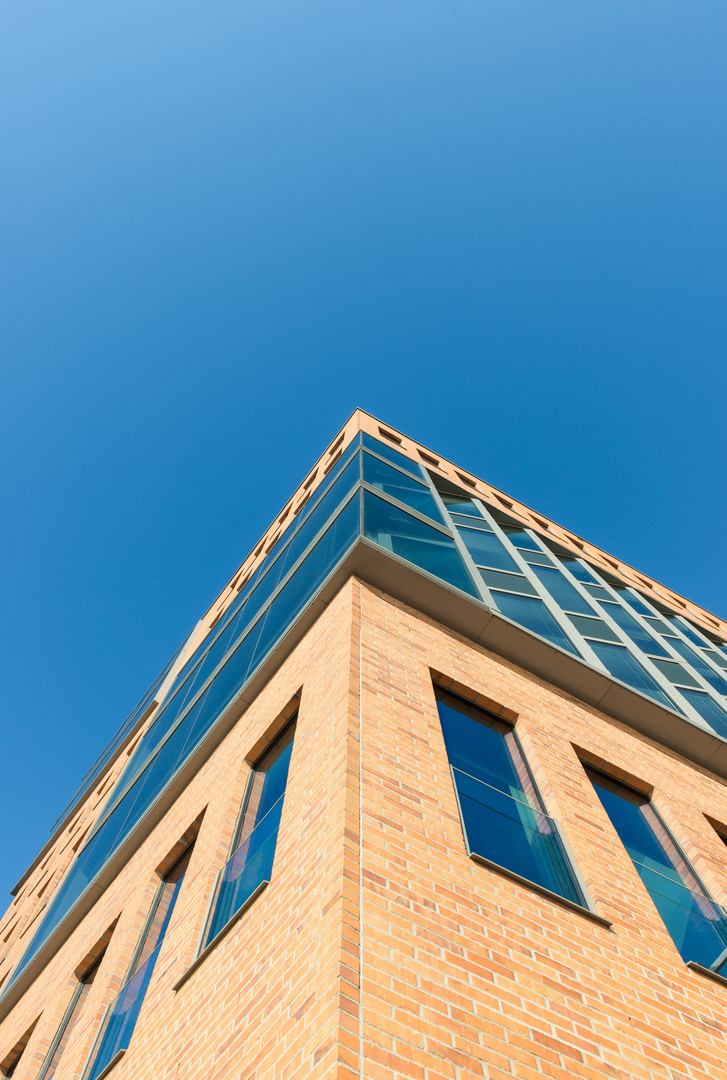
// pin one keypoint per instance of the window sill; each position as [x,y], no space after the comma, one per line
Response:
[694,966]
[578,908]
[114,1061]
[212,945]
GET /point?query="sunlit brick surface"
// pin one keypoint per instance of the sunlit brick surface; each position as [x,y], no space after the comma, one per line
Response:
[465,973]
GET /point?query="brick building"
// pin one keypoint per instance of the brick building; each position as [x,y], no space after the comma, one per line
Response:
[435,789]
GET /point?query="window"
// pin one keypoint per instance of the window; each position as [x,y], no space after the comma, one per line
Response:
[123,1012]
[697,925]
[503,818]
[251,864]
[69,1021]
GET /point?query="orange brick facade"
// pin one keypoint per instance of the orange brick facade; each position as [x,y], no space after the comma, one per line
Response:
[380,950]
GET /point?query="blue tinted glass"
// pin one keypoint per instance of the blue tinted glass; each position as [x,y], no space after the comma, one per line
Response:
[401,487]
[689,632]
[501,812]
[245,871]
[414,541]
[235,627]
[626,812]
[123,1012]
[514,836]
[479,745]
[579,571]
[460,504]
[392,455]
[267,782]
[708,709]
[622,665]
[599,593]
[533,615]
[697,926]
[497,579]
[634,601]
[476,523]
[564,594]
[146,788]
[634,630]
[593,628]
[539,557]
[520,538]
[675,673]
[487,550]
[660,627]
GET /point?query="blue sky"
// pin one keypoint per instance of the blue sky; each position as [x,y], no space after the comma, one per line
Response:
[498,225]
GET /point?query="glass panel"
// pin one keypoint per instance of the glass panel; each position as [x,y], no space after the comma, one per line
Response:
[483,746]
[487,550]
[579,571]
[634,601]
[593,628]
[460,504]
[120,1020]
[599,593]
[521,539]
[698,926]
[502,814]
[390,454]
[68,1023]
[414,541]
[513,835]
[471,522]
[708,674]
[533,615]
[689,632]
[564,594]
[515,582]
[536,557]
[251,864]
[661,627]
[675,673]
[622,665]
[401,487]
[634,630]
[718,658]
[708,709]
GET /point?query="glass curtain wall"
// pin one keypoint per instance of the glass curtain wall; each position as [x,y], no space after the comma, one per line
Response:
[503,818]
[697,925]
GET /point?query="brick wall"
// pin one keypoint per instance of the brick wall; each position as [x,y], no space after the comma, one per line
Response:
[465,973]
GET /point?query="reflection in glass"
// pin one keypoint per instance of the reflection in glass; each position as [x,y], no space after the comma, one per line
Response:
[502,815]
[697,925]
[708,709]
[123,1013]
[252,860]
[564,594]
[414,541]
[622,665]
[487,550]
[400,486]
[533,615]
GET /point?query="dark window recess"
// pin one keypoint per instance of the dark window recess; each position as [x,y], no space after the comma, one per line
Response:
[123,1013]
[503,818]
[251,862]
[697,925]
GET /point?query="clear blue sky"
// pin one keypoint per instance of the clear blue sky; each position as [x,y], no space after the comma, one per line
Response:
[499,225]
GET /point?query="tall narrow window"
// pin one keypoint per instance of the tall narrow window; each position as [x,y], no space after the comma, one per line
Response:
[503,818]
[120,1020]
[69,1021]
[249,867]
[697,925]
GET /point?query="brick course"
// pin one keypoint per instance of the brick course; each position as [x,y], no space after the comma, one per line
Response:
[380,950]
